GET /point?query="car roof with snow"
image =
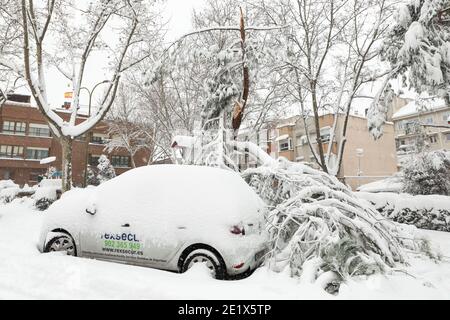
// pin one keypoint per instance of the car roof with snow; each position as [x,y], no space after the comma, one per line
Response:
[189,196]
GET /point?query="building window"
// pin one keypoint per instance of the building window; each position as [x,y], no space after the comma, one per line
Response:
[302,141]
[446,117]
[120,161]
[286,144]
[429,120]
[448,136]
[99,138]
[37,175]
[11,152]
[412,127]
[11,127]
[433,139]
[36,154]
[81,138]
[325,134]
[39,130]
[93,160]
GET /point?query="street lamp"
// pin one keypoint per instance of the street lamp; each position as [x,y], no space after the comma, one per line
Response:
[91,94]
[359,154]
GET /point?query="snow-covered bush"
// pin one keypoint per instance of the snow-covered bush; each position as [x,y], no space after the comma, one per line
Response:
[102,173]
[8,191]
[105,170]
[46,193]
[92,179]
[427,174]
[9,194]
[44,197]
[7,184]
[424,212]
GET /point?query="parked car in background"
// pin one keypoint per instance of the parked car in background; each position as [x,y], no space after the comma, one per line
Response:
[167,217]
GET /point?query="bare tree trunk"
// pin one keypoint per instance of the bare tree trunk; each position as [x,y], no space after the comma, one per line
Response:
[238,113]
[317,125]
[66,146]
[133,163]
[2,98]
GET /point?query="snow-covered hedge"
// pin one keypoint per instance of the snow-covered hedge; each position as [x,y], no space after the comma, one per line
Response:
[42,195]
[425,212]
[9,194]
[46,193]
[4,184]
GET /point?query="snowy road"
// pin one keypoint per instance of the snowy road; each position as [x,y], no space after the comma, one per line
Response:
[27,274]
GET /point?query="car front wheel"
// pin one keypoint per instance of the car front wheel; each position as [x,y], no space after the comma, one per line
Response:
[210,259]
[61,243]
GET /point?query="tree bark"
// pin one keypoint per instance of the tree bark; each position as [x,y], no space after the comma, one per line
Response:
[133,163]
[315,106]
[240,108]
[66,146]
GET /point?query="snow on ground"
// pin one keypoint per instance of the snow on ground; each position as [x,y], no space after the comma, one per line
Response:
[27,274]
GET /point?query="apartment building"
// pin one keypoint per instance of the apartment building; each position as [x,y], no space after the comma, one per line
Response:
[263,137]
[365,160]
[428,118]
[26,139]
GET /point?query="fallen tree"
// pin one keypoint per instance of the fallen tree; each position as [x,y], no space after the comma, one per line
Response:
[319,230]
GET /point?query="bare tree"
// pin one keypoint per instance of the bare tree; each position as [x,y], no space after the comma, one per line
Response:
[10,33]
[55,19]
[127,129]
[329,50]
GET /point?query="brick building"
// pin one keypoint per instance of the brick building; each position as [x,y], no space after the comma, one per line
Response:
[26,139]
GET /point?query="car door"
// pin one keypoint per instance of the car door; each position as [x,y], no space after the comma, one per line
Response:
[109,235]
[133,228]
[159,242]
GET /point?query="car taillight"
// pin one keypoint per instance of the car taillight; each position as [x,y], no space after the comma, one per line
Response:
[238,230]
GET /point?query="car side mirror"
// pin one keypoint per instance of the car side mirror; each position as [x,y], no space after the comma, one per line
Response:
[91,209]
[91,212]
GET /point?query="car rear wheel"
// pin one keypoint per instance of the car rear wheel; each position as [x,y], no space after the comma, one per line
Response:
[210,259]
[62,243]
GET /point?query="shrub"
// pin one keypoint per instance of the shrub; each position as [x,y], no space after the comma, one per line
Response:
[44,198]
[430,212]
[427,174]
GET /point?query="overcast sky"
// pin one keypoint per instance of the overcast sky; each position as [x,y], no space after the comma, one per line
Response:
[178,12]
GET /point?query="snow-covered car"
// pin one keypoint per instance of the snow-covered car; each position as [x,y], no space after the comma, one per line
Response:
[167,217]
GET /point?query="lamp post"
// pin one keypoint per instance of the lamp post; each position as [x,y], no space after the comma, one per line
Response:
[359,154]
[88,134]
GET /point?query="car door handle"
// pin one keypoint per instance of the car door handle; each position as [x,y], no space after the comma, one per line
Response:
[126,225]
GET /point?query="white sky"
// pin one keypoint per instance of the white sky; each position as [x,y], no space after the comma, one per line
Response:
[178,12]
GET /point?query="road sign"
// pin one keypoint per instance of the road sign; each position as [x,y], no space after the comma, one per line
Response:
[68,95]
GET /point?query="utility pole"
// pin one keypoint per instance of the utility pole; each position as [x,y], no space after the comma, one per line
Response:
[89,133]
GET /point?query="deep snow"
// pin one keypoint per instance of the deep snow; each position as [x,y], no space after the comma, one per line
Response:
[27,274]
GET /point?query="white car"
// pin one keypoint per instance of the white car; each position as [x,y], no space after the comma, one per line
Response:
[166,217]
